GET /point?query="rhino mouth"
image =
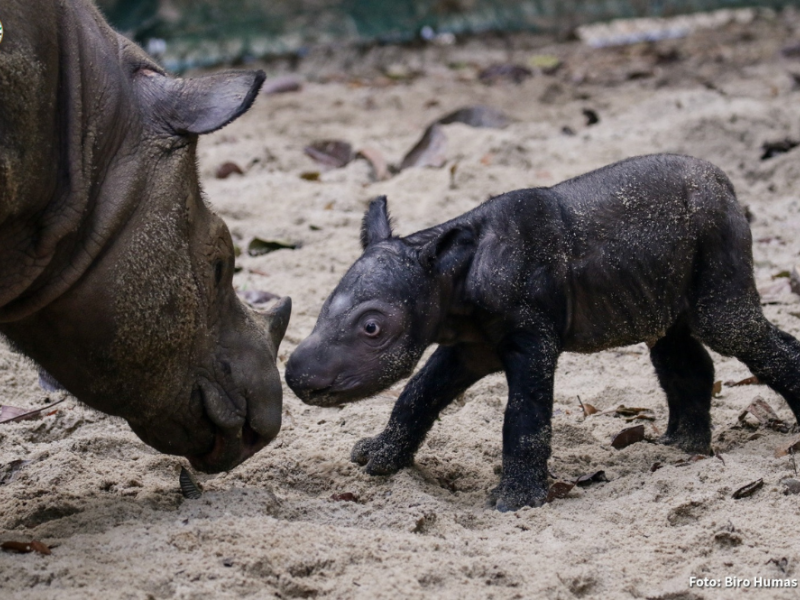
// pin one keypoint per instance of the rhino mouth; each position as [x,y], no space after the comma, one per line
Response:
[235,440]
[229,451]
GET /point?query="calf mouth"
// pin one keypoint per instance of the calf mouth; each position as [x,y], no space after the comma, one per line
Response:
[235,440]
[333,395]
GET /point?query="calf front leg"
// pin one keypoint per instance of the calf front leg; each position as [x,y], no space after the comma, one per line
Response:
[530,362]
[448,373]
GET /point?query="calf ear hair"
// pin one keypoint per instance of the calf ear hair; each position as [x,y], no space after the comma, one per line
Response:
[199,105]
[449,251]
[377,225]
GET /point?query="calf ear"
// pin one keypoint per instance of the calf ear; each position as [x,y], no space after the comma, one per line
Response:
[376,226]
[450,251]
[199,105]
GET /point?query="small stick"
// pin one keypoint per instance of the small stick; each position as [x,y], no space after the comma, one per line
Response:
[583,408]
[794,464]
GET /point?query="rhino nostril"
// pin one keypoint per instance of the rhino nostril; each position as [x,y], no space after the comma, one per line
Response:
[226,368]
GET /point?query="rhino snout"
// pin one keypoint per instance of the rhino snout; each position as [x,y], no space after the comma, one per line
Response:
[245,401]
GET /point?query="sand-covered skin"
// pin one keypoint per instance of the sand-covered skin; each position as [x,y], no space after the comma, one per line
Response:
[111,508]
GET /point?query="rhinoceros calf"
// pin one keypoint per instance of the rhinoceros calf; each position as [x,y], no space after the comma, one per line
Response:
[653,249]
[115,276]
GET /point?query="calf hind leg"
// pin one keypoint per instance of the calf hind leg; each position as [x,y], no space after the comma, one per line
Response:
[771,355]
[686,373]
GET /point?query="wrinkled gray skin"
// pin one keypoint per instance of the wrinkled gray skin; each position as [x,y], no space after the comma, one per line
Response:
[653,249]
[115,277]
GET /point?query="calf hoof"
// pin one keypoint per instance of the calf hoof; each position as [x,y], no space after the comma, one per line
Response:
[691,444]
[380,456]
[508,497]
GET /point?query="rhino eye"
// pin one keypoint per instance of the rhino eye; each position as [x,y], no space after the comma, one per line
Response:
[371,328]
[218,271]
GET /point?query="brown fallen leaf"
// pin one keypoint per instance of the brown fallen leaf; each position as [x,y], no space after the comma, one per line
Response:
[692,459]
[794,280]
[559,489]
[227,169]
[752,380]
[588,409]
[477,116]
[790,447]
[331,153]
[776,292]
[310,175]
[380,169]
[748,490]
[257,246]
[504,72]
[628,436]
[717,388]
[11,414]
[429,151]
[596,477]
[345,497]
[764,414]
[655,467]
[792,486]
[26,547]
[282,85]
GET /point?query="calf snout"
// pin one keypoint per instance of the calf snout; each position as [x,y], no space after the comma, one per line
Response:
[308,375]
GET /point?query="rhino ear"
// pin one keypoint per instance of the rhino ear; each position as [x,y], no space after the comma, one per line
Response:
[199,105]
[278,318]
[449,252]
[377,226]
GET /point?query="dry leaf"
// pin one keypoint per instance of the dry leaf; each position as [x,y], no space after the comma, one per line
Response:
[429,151]
[257,246]
[26,547]
[591,478]
[40,547]
[546,63]
[504,72]
[477,116]
[748,490]
[792,486]
[282,85]
[775,293]
[331,153]
[380,169]
[310,175]
[628,436]
[717,388]
[11,414]
[753,380]
[559,489]
[765,415]
[794,280]
[227,169]
[790,447]
[655,467]
[345,497]
[692,459]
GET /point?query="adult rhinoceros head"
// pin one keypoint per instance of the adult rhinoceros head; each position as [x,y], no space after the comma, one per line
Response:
[115,276]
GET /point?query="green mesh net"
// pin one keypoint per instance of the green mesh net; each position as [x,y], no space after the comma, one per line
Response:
[191,33]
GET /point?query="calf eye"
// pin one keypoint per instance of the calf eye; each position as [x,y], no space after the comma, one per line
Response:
[371,328]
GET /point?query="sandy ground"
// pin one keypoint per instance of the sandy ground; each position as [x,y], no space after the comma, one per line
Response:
[111,509]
